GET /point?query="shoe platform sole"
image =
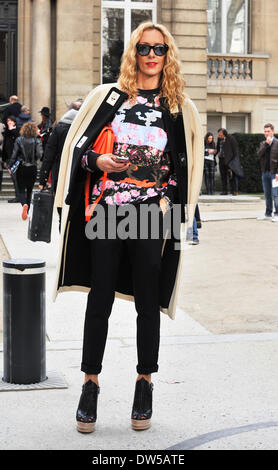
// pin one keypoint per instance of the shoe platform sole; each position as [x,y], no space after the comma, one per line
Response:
[140,424]
[85,427]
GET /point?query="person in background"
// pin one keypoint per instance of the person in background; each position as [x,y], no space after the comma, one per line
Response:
[27,150]
[10,134]
[13,109]
[54,148]
[227,149]
[23,117]
[268,153]
[196,225]
[210,162]
[45,127]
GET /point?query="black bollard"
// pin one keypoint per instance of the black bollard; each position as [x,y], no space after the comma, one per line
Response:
[24,321]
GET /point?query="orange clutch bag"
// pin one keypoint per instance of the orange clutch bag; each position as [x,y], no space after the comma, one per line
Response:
[103,144]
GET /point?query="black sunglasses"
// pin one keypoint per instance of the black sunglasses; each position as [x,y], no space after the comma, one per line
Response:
[159,49]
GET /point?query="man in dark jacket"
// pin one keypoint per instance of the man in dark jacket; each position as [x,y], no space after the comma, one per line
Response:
[227,149]
[54,148]
[268,153]
[10,135]
[13,109]
[23,117]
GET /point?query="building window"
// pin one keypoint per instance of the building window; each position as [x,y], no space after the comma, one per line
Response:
[119,19]
[8,49]
[227,26]
[235,122]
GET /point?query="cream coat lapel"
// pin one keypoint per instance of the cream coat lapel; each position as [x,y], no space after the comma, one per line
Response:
[194,135]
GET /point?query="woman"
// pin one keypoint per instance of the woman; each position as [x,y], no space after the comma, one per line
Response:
[10,134]
[45,127]
[151,118]
[27,150]
[210,162]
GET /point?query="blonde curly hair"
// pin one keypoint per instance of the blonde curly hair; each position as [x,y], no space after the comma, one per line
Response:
[172,82]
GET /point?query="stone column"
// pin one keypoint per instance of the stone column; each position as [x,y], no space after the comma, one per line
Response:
[41,57]
[189,28]
[24,51]
[78,50]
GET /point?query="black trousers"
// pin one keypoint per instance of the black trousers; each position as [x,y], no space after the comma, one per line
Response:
[26,177]
[234,183]
[224,174]
[16,190]
[145,261]
[209,172]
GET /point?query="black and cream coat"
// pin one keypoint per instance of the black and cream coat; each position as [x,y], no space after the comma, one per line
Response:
[185,138]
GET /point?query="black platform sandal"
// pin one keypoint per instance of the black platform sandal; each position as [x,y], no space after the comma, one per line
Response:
[86,414]
[142,405]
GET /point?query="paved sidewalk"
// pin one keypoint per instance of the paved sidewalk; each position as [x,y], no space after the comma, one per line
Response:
[213,390]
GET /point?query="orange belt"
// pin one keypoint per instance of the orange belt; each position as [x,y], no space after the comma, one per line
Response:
[103,144]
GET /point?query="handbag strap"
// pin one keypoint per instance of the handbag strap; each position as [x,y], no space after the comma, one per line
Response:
[104,143]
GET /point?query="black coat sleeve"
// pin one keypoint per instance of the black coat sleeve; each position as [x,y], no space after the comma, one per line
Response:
[89,160]
[234,147]
[171,191]
[50,154]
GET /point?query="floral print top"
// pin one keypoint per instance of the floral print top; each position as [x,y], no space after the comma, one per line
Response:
[140,135]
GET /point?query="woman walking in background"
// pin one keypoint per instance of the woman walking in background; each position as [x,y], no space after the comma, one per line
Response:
[210,162]
[27,150]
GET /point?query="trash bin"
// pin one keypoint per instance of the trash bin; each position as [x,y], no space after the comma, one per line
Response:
[24,321]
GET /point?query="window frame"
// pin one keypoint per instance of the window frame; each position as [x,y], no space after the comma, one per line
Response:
[127,6]
[223,118]
[224,28]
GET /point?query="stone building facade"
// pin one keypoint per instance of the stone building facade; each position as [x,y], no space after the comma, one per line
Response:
[242,85]
[63,48]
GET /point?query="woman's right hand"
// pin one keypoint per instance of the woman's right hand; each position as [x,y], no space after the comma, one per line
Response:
[108,162]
